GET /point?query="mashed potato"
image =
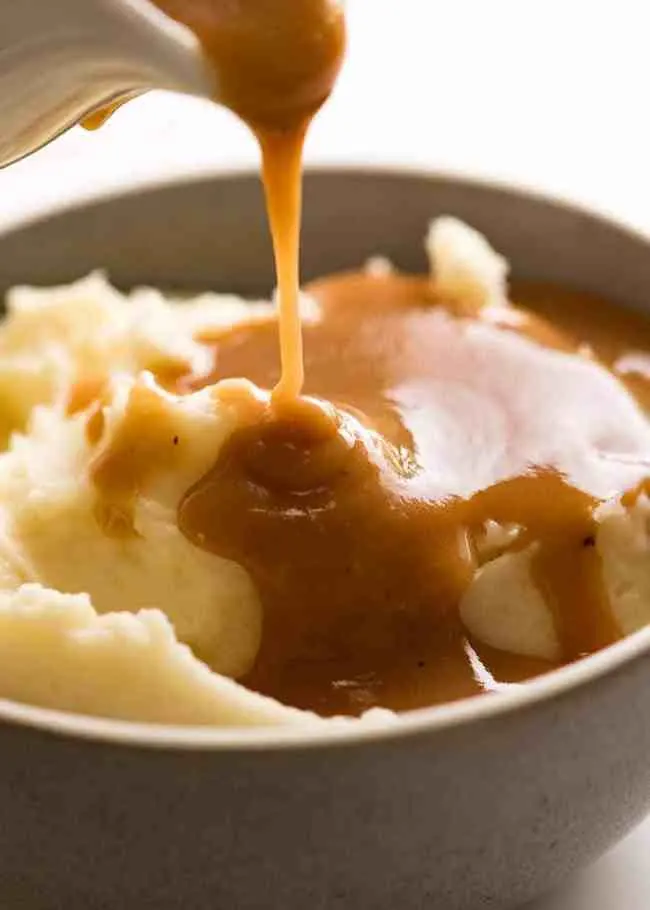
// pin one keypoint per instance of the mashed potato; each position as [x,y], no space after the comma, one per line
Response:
[93,623]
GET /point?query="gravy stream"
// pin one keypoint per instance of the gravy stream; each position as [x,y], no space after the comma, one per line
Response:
[275,65]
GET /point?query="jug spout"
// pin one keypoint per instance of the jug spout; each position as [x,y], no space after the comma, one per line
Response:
[60,61]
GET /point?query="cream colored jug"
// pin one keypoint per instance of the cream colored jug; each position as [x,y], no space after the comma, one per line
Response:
[60,60]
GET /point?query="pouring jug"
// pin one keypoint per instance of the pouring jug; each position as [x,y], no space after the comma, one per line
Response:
[61,60]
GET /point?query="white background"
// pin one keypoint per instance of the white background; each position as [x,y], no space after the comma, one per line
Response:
[550,94]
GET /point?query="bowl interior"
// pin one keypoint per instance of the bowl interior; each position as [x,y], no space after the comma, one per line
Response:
[212,233]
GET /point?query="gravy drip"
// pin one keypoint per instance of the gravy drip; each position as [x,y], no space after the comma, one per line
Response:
[357,520]
[144,443]
[97,119]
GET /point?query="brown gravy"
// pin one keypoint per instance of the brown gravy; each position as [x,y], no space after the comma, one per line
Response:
[358,525]
[356,509]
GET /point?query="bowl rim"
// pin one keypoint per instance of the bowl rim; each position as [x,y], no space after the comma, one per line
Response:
[420,722]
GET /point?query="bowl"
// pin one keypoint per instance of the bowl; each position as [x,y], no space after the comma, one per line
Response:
[483,803]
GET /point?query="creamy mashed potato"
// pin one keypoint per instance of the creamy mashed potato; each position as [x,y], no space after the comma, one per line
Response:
[504,608]
[120,626]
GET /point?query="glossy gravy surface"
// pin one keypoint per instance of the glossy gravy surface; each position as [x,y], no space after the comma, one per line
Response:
[359,525]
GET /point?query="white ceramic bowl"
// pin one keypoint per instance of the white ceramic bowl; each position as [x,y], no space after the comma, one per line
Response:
[485,803]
